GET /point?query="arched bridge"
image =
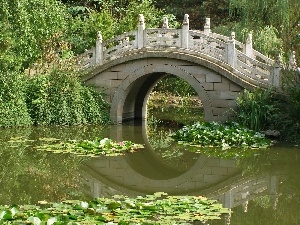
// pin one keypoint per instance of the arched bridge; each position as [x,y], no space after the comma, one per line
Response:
[127,67]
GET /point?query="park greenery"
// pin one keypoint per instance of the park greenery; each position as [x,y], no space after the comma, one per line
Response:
[90,148]
[159,208]
[223,135]
[40,84]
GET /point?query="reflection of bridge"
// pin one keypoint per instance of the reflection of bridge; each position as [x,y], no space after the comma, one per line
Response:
[143,173]
[217,67]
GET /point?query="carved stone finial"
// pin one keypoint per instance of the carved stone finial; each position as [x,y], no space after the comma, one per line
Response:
[99,36]
[165,23]
[292,61]
[249,39]
[207,22]
[186,19]
[232,36]
[141,19]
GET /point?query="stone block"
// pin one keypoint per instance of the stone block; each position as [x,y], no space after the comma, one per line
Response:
[122,75]
[223,103]
[220,118]
[235,87]
[107,75]
[222,95]
[213,162]
[228,163]
[208,86]
[219,111]
[198,177]
[149,69]
[205,170]
[200,77]
[118,68]
[221,171]
[223,86]
[115,83]
[210,179]
[213,77]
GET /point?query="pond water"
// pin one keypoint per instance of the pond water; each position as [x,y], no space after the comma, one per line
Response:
[261,187]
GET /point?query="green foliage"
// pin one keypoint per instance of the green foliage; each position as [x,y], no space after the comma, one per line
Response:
[227,135]
[25,26]
[99,146]
[59,98]
[83,31]
[151,209]
[13,108]
[278,20]
[256,110]
[174,85]
[153,16]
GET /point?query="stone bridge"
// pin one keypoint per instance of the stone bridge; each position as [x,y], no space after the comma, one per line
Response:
[127,67]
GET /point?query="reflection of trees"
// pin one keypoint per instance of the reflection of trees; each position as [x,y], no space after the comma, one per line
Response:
[27,176]
[171,153]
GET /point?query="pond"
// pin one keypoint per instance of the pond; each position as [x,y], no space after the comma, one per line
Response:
[261,187]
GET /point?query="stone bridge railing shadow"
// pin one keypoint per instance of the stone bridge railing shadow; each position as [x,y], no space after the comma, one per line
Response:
[247,63]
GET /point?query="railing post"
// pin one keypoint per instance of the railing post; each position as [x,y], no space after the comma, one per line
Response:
[185,32]
[141,31]
[165,23]
[248,46]
[207,26]
[276,71]
[99,49]
[230,51]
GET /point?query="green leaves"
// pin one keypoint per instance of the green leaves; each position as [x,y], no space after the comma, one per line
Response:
[96,147]
[213,134]
[158,208]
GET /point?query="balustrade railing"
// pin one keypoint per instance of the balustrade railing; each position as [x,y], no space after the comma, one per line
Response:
[248,62]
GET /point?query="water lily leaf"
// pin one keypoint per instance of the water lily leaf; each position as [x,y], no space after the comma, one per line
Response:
[34,220]
[6,215]
[51,221]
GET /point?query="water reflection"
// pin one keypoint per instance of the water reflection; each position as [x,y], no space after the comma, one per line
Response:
[261,189]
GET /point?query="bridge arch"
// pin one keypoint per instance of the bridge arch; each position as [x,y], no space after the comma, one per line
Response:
[121,67]
[129,80]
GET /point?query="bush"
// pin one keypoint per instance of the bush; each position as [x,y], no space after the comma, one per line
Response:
[256,110]
[13,108]
[59,98]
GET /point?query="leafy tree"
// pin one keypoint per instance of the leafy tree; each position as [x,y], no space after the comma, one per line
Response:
[26,25]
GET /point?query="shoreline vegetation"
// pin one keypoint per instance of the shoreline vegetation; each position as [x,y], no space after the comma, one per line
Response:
[46,37]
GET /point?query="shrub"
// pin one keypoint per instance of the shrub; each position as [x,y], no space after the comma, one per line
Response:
[256,110]
[13,108]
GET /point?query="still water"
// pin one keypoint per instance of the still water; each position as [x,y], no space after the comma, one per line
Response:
[261,188]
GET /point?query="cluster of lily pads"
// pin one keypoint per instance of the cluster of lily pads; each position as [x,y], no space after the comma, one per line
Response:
[159,208]
[223,135]
[99,146]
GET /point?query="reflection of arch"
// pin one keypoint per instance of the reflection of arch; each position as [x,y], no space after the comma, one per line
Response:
[121,172]
[129,80]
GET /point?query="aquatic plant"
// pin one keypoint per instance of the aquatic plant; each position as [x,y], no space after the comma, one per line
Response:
[158,208]
[224,135]
[256,109]
[99,146]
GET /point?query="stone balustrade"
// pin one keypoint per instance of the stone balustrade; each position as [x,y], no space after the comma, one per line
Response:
[249,63]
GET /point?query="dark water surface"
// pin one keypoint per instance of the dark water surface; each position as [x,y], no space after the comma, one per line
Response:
[262,188]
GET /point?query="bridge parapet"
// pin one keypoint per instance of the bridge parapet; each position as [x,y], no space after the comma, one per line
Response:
[248,63]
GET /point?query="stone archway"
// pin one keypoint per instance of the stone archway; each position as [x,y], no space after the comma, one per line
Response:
[129,82]
[136,87]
